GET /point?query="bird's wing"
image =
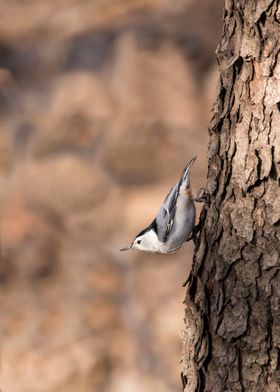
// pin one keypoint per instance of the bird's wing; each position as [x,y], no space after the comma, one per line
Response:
[165,217]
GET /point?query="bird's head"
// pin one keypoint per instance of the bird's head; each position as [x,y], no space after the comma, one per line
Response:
[146,240]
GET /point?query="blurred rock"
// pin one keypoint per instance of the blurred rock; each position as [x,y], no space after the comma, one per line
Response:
[7,87]
[131,157]
[102,104]
[156,107]
[65,183]
[6,155]
[30,240]
[76,118]
[90,51]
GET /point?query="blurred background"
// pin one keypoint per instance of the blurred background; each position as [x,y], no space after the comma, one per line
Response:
[102,104]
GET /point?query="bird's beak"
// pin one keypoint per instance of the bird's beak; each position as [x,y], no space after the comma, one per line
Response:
[126,248]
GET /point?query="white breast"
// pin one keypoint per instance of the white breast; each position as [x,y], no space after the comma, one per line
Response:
[151,242]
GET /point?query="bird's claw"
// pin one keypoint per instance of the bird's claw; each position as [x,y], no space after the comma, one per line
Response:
[202,196]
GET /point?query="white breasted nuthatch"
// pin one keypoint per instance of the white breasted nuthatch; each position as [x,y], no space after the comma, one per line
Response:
[174,223]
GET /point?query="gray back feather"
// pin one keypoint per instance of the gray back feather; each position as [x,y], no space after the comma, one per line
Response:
[165,217]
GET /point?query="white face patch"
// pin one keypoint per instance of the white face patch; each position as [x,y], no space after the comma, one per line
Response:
[147,242]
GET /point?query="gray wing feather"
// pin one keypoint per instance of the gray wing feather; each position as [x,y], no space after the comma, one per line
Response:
[165,216]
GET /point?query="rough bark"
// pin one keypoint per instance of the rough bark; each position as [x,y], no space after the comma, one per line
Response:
[231,340]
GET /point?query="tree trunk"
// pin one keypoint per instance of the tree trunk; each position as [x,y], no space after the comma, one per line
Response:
[231,340]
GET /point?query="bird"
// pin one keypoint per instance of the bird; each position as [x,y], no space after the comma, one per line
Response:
[174,222]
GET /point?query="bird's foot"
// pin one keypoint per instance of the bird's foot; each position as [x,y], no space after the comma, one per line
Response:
[202,196]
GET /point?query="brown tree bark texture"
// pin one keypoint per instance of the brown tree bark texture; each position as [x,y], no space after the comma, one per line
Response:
[231,340]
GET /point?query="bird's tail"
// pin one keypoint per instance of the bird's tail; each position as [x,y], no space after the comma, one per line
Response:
[185,178]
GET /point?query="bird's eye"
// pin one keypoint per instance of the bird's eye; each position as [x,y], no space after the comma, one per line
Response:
[139,242]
